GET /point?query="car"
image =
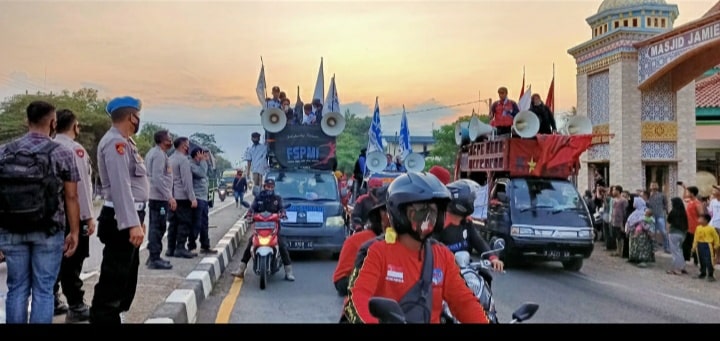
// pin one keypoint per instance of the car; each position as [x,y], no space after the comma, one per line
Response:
[316,217]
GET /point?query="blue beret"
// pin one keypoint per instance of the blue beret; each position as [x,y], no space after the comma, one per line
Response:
[123,102]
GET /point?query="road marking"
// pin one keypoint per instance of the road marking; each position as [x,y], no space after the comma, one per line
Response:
[228,303]
[673,297]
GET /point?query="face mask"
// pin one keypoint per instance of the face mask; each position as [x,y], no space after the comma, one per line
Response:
[137,126]
[52,129]
[269,192]
[536,102]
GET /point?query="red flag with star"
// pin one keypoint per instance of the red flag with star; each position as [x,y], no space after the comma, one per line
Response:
[558,150]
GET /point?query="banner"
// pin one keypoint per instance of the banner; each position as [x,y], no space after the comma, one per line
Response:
[528,157]
[299,146]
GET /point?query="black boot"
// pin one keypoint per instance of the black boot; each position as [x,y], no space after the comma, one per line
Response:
[78,313]
[60,306]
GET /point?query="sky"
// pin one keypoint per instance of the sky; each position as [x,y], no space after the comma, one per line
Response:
[195,64]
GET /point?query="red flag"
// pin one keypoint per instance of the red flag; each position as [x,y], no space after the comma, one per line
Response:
[558,150]
[522,88]
[550,99]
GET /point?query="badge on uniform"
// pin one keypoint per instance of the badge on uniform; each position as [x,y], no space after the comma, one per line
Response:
[80,153]
[120,148]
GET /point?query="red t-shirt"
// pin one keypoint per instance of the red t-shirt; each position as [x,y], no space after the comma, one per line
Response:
[391,270]
[348,254]
[692,215]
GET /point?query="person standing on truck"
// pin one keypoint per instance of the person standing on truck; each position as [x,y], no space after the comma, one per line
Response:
[459,234]
[544,115]
[502,112]
[239,187]
[359,171]
[256,157]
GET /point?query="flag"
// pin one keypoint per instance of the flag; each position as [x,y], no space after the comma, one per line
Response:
[298,105]
[550,99]
[526,99]
[261,88]
[522,88]
[375,143]
[404,141]
[320,84]
[332,103]
[558,150]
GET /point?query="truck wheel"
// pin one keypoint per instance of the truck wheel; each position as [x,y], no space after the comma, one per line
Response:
[573,264]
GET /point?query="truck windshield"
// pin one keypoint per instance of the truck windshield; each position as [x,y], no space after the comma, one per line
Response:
[555,195]
[307,186]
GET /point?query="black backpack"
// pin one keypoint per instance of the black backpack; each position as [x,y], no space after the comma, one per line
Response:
[29,189]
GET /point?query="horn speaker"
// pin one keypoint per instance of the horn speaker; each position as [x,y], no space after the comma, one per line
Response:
[273,120]
[414,162]
[333,123]
[462,135]
[476,128]
[526,124]
[578,125]
[376,161]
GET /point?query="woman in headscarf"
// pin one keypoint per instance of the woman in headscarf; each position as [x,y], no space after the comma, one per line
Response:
[677,227]
[639,229]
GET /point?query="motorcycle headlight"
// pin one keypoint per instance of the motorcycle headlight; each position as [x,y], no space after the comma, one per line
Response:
[336,221]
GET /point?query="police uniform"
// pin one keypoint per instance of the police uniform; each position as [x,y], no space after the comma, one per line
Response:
[72,266]
[126,190]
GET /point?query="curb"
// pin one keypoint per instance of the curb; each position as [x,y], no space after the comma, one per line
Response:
[181,306]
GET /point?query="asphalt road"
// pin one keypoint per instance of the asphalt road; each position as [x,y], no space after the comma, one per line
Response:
[91,265]
[606,290]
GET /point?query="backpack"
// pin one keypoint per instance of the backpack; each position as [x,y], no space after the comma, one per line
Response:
[29,189]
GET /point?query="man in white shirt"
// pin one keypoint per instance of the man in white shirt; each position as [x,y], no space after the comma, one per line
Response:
[275,101]
[256,157]
[308,115]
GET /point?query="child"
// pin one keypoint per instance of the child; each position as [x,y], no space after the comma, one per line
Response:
[705,244]
[647,225]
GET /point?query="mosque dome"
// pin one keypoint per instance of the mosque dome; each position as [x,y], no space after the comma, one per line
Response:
[608,5]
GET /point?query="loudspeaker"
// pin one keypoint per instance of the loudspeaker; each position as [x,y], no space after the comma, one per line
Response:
[462,135]
[273,120]
[376,161]
[333,123]
[526,124]
[414,162]
[578,125]
[476,128]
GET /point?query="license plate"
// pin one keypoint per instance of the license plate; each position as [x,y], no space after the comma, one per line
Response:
[556,254]
[301,245]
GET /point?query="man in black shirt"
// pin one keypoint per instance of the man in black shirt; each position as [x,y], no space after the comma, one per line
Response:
[458,233]
[546,117]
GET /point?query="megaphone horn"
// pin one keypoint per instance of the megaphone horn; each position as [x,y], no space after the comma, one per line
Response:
[376,161]
[526,124]
[476,128]
[273,120]
[333,123]
[579,125]
[462,135]
[414,162]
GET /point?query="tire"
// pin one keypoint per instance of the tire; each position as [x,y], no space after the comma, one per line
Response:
[574,264]
[263,270]
[336,255]
[222,199]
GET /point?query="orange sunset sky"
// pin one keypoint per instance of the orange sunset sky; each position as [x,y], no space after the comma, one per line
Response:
[198,61]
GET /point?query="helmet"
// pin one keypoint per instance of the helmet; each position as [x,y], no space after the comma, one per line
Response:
[374,213]
[412,188]
[462,197]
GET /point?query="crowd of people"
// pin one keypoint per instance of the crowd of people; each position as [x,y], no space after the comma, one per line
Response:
[47,173]
[504,110]
[301,114]
[637,225]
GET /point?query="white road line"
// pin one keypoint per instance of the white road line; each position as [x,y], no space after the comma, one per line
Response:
[673,297]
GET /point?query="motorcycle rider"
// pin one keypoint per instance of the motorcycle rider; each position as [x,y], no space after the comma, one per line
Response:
[364,203]
[394,267]
[458,233]
[379,220]
[267,201]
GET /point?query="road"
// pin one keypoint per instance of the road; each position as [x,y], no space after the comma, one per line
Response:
[91,266]
[607,290]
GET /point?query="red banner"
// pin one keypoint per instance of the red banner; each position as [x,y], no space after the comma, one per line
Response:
[547,156]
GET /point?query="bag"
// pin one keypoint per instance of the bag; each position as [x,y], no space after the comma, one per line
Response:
[417,302]
[29,190]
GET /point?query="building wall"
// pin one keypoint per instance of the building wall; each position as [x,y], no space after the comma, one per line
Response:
[687,148]
[625,147]
[585,174]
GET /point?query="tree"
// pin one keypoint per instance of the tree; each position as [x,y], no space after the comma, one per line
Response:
[444,153]
[351,140]
[207,141]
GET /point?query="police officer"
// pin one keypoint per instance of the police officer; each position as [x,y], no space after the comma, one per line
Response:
[161,202]
[68,129]
[126,190]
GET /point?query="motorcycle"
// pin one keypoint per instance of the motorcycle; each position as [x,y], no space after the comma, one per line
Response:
[388,311]
[265,249]
[222,193]
[478,277]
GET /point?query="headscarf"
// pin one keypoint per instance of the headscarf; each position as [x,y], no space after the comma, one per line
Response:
[638,215]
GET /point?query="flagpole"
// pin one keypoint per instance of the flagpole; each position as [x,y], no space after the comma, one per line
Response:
[262,64]
[553,83]
[333,93]
[323,73]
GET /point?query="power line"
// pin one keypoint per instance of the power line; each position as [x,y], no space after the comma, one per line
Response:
[260,125]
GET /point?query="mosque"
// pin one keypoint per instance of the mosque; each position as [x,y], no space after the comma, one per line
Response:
[652,93]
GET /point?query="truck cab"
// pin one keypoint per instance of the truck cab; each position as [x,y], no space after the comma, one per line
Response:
[532,205]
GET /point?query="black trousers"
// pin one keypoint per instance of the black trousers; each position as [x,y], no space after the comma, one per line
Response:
[284,253]
[159,211]
[71,268]
[503,130]
[115,290]
[705,257]
[180,225]
[687,248]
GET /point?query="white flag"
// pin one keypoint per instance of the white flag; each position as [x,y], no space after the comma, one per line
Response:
[332,103]
[525,100]
[320,84]
[261,88]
